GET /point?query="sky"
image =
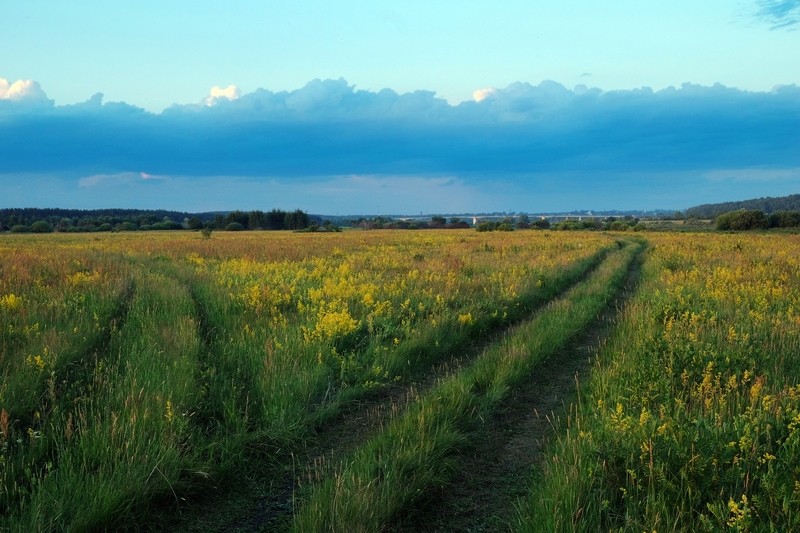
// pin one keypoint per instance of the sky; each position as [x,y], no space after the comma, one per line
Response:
[410,107]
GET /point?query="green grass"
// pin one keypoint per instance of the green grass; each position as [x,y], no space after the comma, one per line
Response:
[111,445]
[691,421]
[416,451]
[156,385]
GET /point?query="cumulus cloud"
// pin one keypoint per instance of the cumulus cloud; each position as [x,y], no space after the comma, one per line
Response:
[781,14]
[21,90]
[22,96]
[320,101]
[482,94]
[329,127]
[517,139]
[217,94]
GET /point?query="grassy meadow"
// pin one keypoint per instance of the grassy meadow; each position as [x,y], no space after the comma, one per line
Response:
[145,372]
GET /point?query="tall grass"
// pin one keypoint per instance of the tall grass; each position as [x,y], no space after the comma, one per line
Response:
[691,420]
[289,342]
[121,435]
[58,313]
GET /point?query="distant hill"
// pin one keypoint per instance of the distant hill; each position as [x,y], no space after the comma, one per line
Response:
[768,205]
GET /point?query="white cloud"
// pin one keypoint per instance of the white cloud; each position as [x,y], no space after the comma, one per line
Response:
[231,92]
[482,94]
[121,178]
[21,90]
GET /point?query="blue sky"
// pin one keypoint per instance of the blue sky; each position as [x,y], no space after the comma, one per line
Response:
[386,107]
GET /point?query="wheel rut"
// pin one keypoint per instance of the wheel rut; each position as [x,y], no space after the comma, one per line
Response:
[338,438]
[266,502]
[502,463]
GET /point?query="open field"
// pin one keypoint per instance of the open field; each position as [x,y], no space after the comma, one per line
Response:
[340,381]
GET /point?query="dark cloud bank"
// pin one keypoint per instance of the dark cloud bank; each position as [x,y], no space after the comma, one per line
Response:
[329,128]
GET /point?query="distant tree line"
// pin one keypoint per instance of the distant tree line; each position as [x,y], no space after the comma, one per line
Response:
[80,220]
[512,223]
[436,222]
[767,205]
[750,219]
[275,219]
[611,223]
[509,223]
[34,220]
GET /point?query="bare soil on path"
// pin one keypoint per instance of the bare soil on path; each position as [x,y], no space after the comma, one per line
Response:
[500,466]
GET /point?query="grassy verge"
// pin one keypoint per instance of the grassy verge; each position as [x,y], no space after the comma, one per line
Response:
[415,452]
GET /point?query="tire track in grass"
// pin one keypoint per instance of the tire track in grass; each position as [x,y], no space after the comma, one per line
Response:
[216,369]
[500,464]
[67,385]
[125,454]
[369,411]
[194,477]
[383,481]
[233,475]
[268,503]
[73,374]
[72,371]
